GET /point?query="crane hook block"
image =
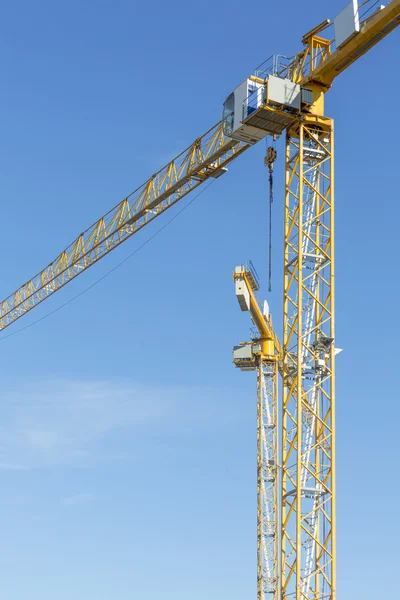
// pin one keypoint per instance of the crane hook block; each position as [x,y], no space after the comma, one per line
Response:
[270,157]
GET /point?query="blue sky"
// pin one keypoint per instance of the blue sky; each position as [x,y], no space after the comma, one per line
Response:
[127,446]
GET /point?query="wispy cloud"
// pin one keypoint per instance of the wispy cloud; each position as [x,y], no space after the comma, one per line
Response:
[82,422]
[77,499]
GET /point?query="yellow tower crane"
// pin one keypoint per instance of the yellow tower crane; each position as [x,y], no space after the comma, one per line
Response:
[282,96]
[263,355]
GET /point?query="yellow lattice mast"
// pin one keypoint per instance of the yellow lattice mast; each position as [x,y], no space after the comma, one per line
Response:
[308,426]
[308,494]
[307,497]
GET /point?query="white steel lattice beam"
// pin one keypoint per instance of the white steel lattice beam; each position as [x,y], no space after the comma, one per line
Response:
[267,479]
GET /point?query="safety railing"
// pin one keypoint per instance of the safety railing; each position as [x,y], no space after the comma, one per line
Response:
[277,65]
[251,269]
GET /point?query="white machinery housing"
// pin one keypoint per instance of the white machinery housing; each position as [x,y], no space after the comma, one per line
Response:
[255,109]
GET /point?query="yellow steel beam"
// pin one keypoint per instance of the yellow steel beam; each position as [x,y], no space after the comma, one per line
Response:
[268,337]
[308,409]
[315,66]
[372,31]
[198,163]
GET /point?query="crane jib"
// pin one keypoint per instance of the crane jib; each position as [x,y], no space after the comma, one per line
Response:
[205,158]
[201,161]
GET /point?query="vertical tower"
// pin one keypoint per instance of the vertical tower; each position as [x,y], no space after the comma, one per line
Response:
[261,355]
[267,479]
[308,410]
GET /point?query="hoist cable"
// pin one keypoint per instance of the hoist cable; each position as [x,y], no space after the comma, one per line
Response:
[108,273]
[271,201]
[269,160]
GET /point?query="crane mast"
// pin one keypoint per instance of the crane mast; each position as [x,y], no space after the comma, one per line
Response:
[305,504]
[262,355]
[296,495]
[308,406]
[307,499]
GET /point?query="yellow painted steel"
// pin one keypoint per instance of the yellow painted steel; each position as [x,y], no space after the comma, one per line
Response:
[203,160]
[267,356]
[308,409]
[270,345]
[315,66]
[373,30]
[305,505]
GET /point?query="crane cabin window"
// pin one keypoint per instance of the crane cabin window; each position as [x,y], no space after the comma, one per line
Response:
[228,114]
[251,102]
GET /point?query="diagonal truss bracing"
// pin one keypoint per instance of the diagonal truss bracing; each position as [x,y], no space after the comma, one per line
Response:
[202,160]
[308,467]
[267,479]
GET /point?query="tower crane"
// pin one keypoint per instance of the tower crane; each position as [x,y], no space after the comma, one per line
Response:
[297,519]
[262,355]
